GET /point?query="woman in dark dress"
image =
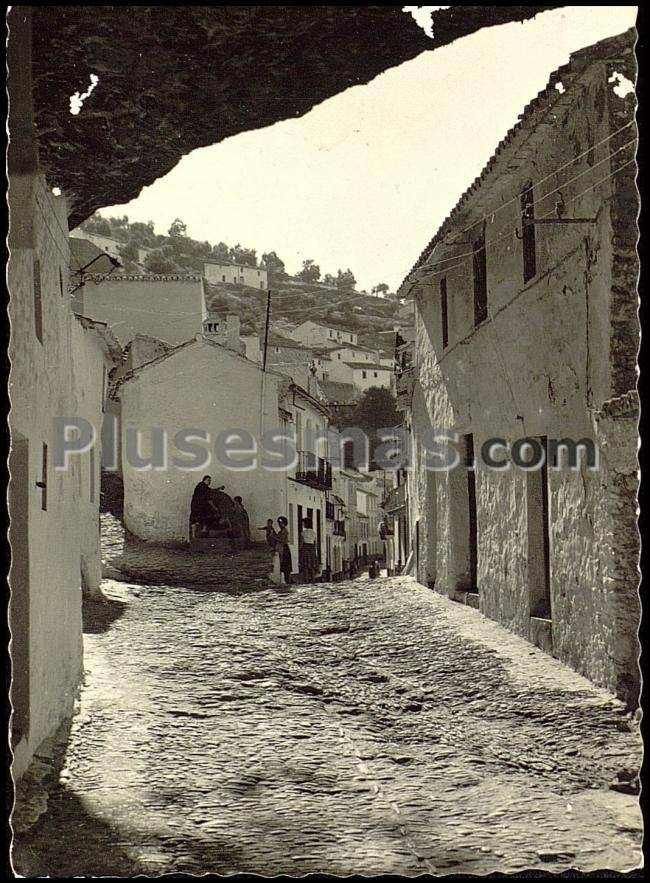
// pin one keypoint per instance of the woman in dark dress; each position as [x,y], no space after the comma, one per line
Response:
[201,509]
[286,564]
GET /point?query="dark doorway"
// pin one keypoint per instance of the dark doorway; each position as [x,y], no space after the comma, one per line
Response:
[318,537]
[19,618]
[538,525]
[472,538]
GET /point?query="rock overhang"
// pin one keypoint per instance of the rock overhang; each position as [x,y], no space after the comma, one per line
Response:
[171,79]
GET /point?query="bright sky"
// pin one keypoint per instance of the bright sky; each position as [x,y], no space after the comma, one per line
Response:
[364,180]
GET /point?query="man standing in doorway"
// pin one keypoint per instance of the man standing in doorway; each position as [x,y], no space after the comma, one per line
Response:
[387,536]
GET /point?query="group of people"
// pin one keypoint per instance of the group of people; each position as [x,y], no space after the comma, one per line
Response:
[212,509]
[279,540]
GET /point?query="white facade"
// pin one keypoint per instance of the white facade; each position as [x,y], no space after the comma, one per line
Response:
[314,334]
[105,243]
[307,421]
[169,308]
[57,370]
[204,386]
[236,274]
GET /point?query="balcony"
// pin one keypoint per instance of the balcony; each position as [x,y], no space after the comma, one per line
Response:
[404,382]
[314,471]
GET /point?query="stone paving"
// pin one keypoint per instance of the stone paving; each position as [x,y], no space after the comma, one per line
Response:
[361,727]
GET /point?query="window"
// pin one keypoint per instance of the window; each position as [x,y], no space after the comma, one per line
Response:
[444,307]
[38,301]
[223,278]
[92,475]
[480,280]
[364,374]
[42,484]
[528,232]
[338,355]
[261,285]
[376,375]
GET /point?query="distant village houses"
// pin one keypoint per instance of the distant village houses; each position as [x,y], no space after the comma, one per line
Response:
[236,274]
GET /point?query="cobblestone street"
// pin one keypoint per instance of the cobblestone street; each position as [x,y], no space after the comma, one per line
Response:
[369,727]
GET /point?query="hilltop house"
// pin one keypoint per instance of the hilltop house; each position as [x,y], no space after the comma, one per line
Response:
[541,250]
[235,274]
[315,334]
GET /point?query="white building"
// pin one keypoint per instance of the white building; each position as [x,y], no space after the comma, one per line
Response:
[235,274]
[315,334]
[362,375]
[306,419]
[104,243]
[169,308]
[206,385]
[58,369]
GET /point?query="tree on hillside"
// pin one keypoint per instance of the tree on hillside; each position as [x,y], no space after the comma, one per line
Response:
[273,263]
[220,252]
[157,262]
[382,288]
[310,271]
[375,410]
[177,228]
[142,234]
[129,251]
[97,224]
[345,281]
[328,279]
[245,256]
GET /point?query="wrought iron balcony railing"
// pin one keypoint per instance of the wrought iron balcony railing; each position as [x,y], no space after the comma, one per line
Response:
[314,471]
[339,529]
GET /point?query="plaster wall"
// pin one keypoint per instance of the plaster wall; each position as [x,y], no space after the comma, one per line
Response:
[196,388]
[540,364]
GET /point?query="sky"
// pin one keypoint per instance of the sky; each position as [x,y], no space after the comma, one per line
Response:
[365,178]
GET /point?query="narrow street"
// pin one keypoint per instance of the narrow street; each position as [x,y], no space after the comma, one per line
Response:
[368,726]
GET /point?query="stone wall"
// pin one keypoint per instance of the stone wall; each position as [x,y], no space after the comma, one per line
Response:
[550,352]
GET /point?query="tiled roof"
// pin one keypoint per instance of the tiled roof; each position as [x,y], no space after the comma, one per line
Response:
[338,392]
[578,62]
[370,366]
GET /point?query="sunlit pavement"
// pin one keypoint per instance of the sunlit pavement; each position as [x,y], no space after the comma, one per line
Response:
[362,727]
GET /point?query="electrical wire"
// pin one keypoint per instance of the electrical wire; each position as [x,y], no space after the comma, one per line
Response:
[511,234]
[545,178]
[532,204]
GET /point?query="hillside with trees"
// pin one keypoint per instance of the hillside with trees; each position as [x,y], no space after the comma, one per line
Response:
[310,294]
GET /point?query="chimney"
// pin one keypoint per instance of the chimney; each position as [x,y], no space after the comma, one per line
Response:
[224,331]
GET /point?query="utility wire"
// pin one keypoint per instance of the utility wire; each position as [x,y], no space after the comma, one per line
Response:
[546,214]
[545,178]
[532,204]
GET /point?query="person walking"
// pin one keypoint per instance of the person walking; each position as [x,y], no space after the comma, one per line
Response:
[387,536]
[308,558]
[286,564]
